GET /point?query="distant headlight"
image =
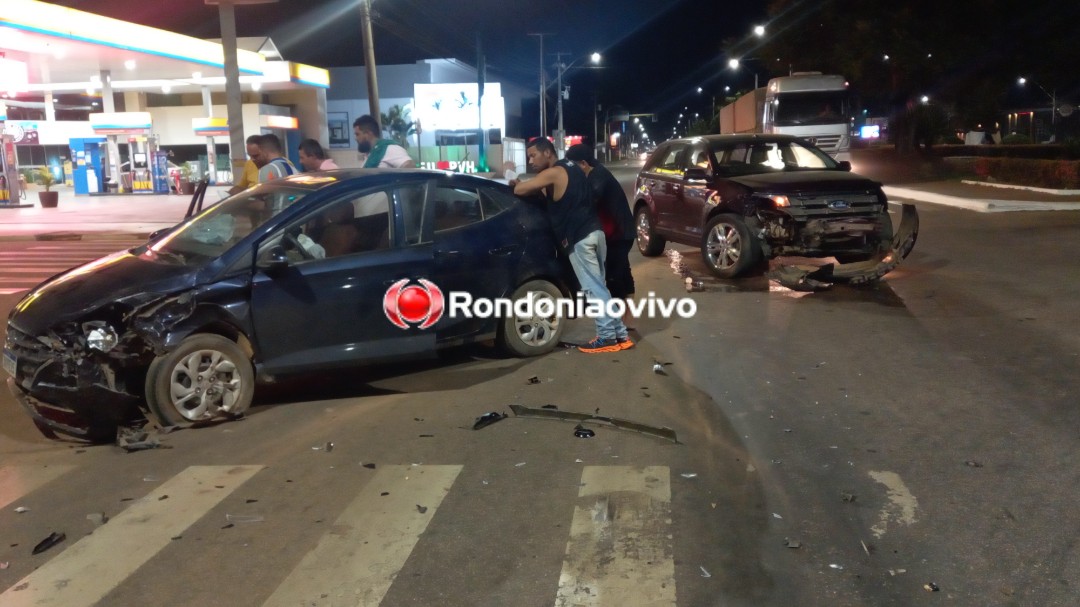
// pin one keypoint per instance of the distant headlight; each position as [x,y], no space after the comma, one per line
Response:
[100,336]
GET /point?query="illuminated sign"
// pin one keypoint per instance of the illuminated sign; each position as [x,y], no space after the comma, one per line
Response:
[279,122]
[462,166]
[210,127]
[870,131]
[306,74]
[119,123]
[454,106]
[13,75]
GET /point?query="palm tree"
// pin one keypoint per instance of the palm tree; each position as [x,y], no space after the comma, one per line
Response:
[397,122]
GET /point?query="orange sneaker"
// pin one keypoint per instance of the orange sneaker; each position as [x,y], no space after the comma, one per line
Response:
[625,344]
[597,346]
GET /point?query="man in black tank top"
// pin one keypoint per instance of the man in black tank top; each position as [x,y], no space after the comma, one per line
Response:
[578,231]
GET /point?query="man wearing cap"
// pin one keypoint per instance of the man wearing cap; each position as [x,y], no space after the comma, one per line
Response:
[615,218]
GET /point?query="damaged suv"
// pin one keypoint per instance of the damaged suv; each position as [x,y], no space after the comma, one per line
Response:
[744,199]
[299,274]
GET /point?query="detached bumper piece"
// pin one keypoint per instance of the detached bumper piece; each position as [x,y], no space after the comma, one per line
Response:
[659,432]
[51,419]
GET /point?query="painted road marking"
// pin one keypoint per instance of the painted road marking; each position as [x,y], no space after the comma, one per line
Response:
[356,563]
[620,548]
[84,573]
[18,481]
[902,503]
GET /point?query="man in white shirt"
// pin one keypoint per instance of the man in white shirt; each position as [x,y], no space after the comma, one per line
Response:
[380,153]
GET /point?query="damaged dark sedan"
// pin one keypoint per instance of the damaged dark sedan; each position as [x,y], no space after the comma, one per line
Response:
[293,275]
[744,199]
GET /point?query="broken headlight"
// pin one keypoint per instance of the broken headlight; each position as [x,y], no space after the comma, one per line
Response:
[100,336]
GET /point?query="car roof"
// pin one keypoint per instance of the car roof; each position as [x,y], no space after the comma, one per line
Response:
[733,138]
[315,180]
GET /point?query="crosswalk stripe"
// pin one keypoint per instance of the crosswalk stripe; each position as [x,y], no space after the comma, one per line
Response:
[17,481]
[620,548]
[84,573]
[357,561]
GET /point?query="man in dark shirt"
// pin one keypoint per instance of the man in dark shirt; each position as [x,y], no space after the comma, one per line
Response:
[578,231]
[616,219]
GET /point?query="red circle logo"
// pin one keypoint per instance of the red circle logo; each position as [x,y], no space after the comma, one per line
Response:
[418,304]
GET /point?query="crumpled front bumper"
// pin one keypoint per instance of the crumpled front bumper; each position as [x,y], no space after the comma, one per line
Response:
[808,278]
[92,415]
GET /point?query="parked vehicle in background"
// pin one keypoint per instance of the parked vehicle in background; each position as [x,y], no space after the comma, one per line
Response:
[298,274]
[814,106]
[744,199]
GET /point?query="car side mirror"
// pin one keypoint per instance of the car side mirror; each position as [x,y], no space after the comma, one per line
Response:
[274,260]
[696,174]
[844,165]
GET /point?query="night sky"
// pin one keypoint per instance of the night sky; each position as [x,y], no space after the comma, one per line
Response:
[656,52]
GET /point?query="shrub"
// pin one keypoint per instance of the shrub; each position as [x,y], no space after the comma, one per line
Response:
[1015,139]
[1057,174]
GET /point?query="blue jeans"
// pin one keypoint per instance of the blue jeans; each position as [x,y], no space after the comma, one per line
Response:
[587,258]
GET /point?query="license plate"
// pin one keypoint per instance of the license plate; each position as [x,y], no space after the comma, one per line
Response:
[9,362]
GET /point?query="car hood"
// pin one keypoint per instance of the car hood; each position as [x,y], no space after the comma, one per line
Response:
[790,182]
[115,278]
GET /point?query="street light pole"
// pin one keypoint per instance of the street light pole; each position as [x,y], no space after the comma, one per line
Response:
[543,87]
[369,61]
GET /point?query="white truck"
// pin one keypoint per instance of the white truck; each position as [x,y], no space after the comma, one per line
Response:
[810,105]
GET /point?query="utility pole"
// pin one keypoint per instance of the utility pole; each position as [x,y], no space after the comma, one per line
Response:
[369,61]
[560,142]
[543,86]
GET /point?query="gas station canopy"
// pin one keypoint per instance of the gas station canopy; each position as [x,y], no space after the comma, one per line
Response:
[66,50]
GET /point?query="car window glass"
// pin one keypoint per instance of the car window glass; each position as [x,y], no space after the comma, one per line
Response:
[348,225]
[456,207]
[699,157]
[670,161]
[494,201]
[218,228]
[655,158]
[410,200]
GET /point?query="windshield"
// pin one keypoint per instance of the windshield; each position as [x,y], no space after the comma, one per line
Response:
[221,226]
[751,157]
[804,108]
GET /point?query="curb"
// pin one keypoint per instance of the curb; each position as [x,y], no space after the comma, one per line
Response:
[981,206]
[1028,188]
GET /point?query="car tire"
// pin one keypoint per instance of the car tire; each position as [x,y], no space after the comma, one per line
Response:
[649,243]
[728,247]
[532,336]
[206,377]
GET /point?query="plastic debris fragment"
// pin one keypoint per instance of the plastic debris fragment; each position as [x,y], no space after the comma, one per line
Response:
[53,539]
[243,518]
[369,466]
[328,447]
[703,572]
[689,475]
[5,565]
[22,509]
[97,518]
[549,407]
[519,464]
[533,380]
[487,419]
[790,543]
[973,464]
[848,497]
[775,515]
[421,509]
[835,566]
[658,369]
[931,587]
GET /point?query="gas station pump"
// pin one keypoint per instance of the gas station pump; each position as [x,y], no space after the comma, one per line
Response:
[9,172]
[89,166]
[141,151]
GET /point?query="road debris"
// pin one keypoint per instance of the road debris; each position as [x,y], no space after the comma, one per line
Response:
[973,464]
[4,565]
[21,509]
[243,518]
[896,572]
[137,439]
[583,432]
[660,432]
[519,464]
[865,548]
[790,543]
[487,419]
[837,567]
[97,518]
[549,407]
[775,515]
[689,475]
[53,539]
[421,509]
[658,368]
[369,466]
[703,572]
[848,497]
[328,447]
[931,587]
[533,380]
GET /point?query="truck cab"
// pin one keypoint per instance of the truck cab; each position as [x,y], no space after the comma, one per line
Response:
[814,106]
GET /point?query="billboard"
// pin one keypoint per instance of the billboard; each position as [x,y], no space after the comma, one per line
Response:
[455,107]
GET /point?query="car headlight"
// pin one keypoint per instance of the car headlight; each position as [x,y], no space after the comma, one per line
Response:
[780,201]
[100,336]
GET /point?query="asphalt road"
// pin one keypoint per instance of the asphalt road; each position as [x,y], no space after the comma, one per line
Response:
[848,447]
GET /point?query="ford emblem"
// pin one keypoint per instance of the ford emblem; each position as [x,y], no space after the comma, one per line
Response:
[838,205]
